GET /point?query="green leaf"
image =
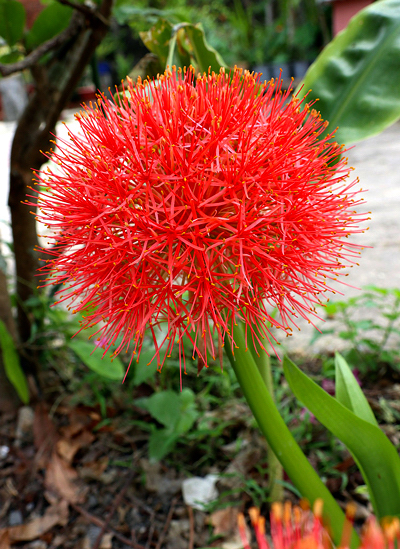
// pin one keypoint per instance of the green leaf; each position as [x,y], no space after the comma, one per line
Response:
[188,412]
[111,368]
[278,436]
[176,411]
[163,406]
[11,57]
[12,366]
[357,76]
[182,45]
[375,455]
[178,53]
[161,442]
[203,54]
[145,367]
[50,22]
[157,39]
[12,21]
[349,393]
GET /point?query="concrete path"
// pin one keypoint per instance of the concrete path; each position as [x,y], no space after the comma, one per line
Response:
[377,163]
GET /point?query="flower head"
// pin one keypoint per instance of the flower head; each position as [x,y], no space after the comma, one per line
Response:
[298,528]
[195,201]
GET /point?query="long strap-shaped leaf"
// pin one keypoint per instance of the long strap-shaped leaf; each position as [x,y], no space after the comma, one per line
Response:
[12,366]
[357,78]
[279,437]
[377,457]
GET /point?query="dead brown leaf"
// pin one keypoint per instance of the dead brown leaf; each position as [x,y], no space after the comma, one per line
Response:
[4,539]
[67,448]
[225,524]
[240,466]
[93,470]
[224,521]
[44,434]
[55,514]
[61,479]
[106,542]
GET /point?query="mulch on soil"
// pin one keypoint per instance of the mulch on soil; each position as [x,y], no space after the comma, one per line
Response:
[68,479]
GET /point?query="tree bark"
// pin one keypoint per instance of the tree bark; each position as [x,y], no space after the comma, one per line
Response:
[55,81]
[9,400]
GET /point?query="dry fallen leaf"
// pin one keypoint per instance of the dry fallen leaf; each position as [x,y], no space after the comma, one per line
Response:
[61,479]
[55,514]
[67,448]
[44,434]
[4,539]
[225,524]
[93,470]
[106,542]
[224,521]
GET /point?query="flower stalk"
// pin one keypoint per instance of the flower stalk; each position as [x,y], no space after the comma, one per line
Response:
[280,438]
[275,469]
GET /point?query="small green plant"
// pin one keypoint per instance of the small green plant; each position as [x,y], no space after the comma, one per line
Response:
[370,323]
[176,412]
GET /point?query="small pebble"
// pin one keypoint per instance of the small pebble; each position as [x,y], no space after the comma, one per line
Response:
[38,544]
[93,533]
[24,430]
[15,518]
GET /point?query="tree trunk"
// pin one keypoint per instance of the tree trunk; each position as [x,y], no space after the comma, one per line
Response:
[55,82]
[9,400]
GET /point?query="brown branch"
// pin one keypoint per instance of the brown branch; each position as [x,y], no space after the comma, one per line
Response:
[88,11]
[167,523]
[114,506]
[191,522]
[33,57]
[55,81]
[98,522]
[73,28]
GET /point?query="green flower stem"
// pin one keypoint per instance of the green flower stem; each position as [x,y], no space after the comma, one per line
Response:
[275,469]
[279,437]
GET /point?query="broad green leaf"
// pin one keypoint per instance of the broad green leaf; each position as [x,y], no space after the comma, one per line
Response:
[356,77]
[176,411]
[157,39]
[375,455]
[145,367]
[349,393]
[161,442]
[12,21]
[11,57]
[204,55]
[50,22]
[126,12]
[188,411]
[111,368]
[182,45]
[178,53]
[163,406]
[12,366]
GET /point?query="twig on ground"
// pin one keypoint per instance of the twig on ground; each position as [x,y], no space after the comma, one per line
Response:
[101,523]
[114,506]
[166,525]
[191,531]
[151,531]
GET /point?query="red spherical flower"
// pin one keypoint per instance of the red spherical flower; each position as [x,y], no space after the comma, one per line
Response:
[195,201]
[298,528]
